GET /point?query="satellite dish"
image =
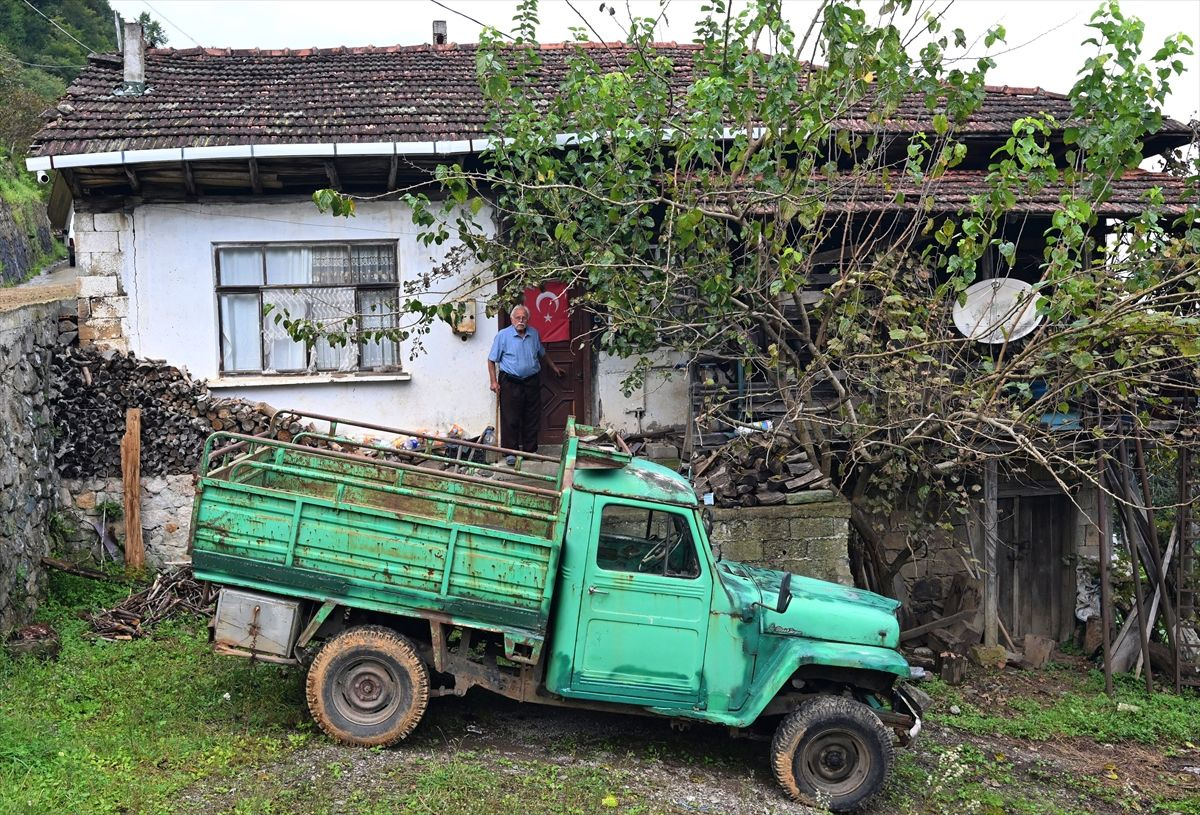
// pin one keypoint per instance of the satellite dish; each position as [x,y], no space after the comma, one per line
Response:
[997,310]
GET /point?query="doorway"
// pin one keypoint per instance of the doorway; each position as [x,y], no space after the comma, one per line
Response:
[564,332]
[1037,575]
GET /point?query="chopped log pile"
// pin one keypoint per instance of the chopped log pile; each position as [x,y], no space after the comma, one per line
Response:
[92,391]
[171,594]
[755,470]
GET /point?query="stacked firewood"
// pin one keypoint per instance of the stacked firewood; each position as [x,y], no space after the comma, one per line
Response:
[755,470]
[173,593]
[94,388]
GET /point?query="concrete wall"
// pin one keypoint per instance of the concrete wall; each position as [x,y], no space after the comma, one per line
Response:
[661,401]
[28,479]
[147,286]
[807,538]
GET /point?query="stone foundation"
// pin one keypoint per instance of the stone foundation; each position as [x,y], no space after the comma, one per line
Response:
[166,515]
[809,538]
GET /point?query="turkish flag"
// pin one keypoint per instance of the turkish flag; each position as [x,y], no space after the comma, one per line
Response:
[548,311]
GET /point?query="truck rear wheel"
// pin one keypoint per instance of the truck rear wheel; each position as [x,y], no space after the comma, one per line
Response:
[367,686]
[832,752]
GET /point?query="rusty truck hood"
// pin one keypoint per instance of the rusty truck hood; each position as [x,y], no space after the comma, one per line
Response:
[819,610]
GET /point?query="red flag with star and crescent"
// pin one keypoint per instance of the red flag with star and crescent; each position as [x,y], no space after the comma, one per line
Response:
[548,311]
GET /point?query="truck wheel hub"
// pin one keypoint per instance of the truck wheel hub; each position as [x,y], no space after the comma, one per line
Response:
[367,687]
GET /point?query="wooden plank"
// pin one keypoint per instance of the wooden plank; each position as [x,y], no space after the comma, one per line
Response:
[991,543]
[255,179]
[944,622]
[131,481]
[1102,519]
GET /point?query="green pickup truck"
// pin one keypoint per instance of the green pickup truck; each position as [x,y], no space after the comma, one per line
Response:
[586,580]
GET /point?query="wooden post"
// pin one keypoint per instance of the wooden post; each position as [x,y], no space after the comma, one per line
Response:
[991,545]
[131,480]
[1102,518]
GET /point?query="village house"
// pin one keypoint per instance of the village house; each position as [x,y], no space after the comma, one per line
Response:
[191,173]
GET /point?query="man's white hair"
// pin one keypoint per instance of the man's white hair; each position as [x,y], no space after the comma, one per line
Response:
[519,307]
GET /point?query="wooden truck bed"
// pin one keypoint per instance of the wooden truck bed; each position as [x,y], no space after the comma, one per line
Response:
[406,537]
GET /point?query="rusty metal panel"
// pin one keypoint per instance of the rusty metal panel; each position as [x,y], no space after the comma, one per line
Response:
[311,524]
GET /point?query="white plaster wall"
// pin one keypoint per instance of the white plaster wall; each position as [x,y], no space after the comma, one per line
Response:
[662,399]
[168,273]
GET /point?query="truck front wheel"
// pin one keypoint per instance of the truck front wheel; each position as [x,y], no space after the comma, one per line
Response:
[367,686]
[832,752]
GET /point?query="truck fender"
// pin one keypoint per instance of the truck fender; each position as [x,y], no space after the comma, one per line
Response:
[799,652]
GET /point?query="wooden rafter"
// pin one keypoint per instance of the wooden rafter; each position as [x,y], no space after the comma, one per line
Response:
[255,178]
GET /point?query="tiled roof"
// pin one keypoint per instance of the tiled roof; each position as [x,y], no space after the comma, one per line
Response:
[952,192]
[202,97]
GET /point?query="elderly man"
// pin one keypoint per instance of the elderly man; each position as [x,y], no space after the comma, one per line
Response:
[513,366]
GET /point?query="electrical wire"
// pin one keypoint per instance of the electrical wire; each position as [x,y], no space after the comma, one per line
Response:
[464,16]
[171,23]
[63,30]
[41,64]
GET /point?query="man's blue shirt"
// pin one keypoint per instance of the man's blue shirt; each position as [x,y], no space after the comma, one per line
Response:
[516,355]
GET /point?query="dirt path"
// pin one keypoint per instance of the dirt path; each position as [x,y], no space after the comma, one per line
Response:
[569,761]
[56,283]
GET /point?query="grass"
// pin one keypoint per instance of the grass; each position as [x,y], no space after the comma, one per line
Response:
[163,726]
[26,198]
[1084,711]
[122,727]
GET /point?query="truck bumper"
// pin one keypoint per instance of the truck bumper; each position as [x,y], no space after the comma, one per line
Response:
[905,703]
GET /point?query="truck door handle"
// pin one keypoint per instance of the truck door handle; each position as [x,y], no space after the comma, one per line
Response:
[594,590]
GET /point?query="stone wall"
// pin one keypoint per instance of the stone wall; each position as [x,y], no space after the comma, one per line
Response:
[166,509]
[102,305]
[809,537]
[25,242]
[28,478]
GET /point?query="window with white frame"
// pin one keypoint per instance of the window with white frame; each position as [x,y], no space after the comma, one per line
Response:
[326,283]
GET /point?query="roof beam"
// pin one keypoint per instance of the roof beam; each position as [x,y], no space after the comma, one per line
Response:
[135,183]
[189,181]
[73,182]
[255,178]
[393,168]
[332,173]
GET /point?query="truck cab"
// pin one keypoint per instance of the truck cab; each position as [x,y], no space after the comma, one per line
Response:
[586,580]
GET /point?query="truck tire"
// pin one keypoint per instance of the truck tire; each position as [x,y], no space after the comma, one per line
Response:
[368,687]
[832,752]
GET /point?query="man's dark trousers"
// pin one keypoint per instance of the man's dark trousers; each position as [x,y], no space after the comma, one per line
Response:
[520,412]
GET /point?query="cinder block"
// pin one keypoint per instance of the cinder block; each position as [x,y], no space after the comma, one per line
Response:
[742,549]
[809,528]
[97,242]
[118,344]
[106,329]
[110,307]
[97,286]
[103,263]
[108,222]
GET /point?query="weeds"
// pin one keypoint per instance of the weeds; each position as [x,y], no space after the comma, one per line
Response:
[122,727]
[1165,719]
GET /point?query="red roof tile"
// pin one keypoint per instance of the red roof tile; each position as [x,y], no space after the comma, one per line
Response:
[222,96]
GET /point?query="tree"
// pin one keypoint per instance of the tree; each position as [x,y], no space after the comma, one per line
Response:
[152,30]
[682,238]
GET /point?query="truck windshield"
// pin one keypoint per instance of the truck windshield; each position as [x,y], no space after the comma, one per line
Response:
[648,541]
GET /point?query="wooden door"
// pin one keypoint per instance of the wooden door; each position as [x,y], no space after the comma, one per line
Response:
[570,394]
[1037,581]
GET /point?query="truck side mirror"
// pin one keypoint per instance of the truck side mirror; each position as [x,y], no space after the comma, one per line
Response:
[785,594]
